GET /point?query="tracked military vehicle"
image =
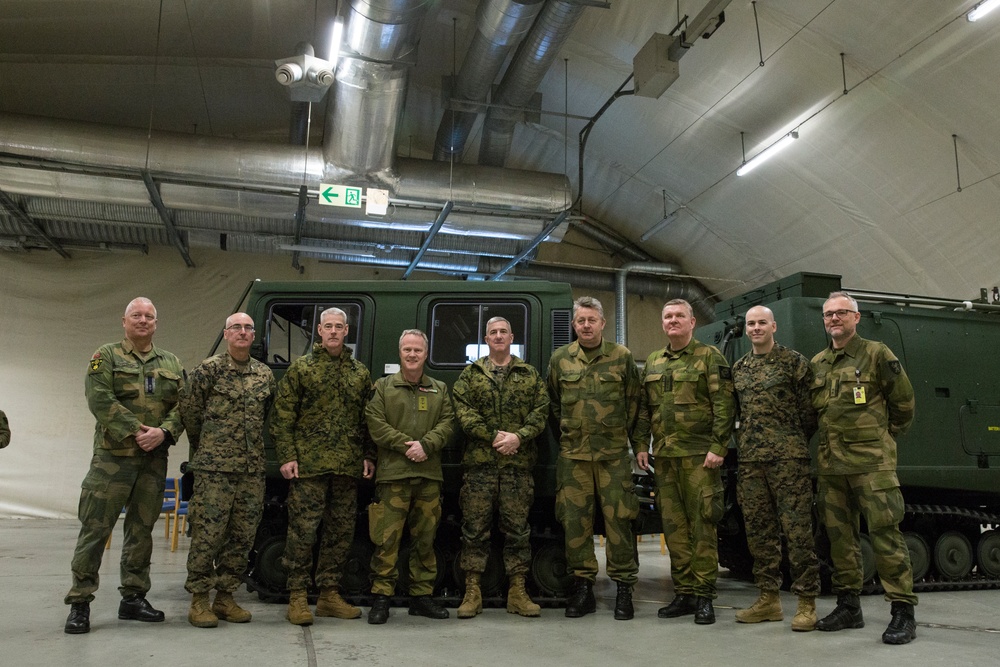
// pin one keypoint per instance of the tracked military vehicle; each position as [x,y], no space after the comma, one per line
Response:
[949,460]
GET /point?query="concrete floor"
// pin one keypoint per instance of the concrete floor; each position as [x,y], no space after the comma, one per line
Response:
[953,628]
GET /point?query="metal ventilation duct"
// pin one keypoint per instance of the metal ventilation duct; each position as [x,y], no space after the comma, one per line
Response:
[500,24]
[531,61]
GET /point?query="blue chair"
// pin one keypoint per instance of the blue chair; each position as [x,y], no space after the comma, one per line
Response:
[175,511]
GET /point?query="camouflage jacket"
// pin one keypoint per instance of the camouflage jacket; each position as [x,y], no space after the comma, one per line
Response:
[595,402]
[124,390]
[520,404]
[687,402]
[776,413]
[4,430]
[223,410]
[399,412]
[318,418]
[864,400]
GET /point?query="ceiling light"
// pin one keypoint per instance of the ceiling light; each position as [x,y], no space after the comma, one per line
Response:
[337,36]
[768,152]
[658,226]
[982,9]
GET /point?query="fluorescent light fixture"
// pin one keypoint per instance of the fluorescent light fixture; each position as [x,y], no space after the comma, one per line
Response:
[768,152]
[982,9]
[336,38]
[658,226]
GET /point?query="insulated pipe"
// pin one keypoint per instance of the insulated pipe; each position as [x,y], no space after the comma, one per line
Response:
[684,290]
[500,25]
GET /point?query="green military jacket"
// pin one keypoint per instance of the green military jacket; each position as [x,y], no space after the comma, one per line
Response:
[775,405]
[223,409]
[4,430]
[864,400]
[399,412]
[687,402]
[519,404]
[595,401]
[318,418]
[125,390]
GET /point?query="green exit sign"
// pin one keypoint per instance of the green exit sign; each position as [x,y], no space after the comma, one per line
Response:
[339,195]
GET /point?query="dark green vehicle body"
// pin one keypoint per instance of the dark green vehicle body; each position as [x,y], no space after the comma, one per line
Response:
[949,460]
[453,314]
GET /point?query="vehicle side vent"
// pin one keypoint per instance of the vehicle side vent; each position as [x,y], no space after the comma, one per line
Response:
[562,330]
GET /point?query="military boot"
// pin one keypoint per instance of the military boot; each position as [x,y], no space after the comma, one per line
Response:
[624,611]
[331,604]
[845,616]
[379,613]
[767,607]
[200,615]
[805,615]
[582,601]
[472,603]
[225,608]
[903,626]
[518,601]
[78,621]
[298,608]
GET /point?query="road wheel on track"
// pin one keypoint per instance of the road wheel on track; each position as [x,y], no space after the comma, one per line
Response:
[953,555]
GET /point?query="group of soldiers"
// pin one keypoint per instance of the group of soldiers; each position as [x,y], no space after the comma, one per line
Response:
[331,426]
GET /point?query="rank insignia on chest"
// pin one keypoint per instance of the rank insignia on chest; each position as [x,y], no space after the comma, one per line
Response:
[422,403]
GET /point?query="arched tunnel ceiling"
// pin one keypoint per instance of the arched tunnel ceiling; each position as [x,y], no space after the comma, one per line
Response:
[870,189]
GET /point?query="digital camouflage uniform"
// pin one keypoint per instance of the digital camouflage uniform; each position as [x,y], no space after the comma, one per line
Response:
[124,390]
[489,399]
[774,485]
[595,401]
[409,493]
[688,405]
[318,420]
[223,408]
[864,400]
[4,430]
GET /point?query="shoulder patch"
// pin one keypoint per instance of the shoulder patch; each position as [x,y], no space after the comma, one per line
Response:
[895,367]
[725,372]
[95,363]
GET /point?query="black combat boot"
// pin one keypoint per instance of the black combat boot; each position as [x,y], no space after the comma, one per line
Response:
[682,605]
[903,626]
[845,616]
[78,622]
[582,601]
[704,612]
[137,608]
[624,611]
[425,605]
[379,613]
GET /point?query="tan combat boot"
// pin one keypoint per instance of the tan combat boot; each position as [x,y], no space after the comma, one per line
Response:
[298,608]
[331,604]
[200,615]
[472,603]
[766,608]
[805,615]
[518,601]
[225,608]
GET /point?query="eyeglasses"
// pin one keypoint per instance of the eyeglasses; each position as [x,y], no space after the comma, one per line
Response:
[839,314]
[236,328]
[329,326]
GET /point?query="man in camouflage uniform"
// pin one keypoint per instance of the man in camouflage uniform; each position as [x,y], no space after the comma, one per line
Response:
[132,389]
[864,400]
[502,405]
[687,402]
[594,389]
[223,407]
[4,430]
[322,443]
[774,485]
[411,419]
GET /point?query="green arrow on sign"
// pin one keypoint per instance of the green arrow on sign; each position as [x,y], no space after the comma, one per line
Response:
[328,195]
[331,194]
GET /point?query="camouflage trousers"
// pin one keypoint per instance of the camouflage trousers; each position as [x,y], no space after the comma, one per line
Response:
[332,500]
[842,500]
[134,483]
[689,497]
[776,497]
[414,503]
[511,491]
[224,512]
[580,486]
